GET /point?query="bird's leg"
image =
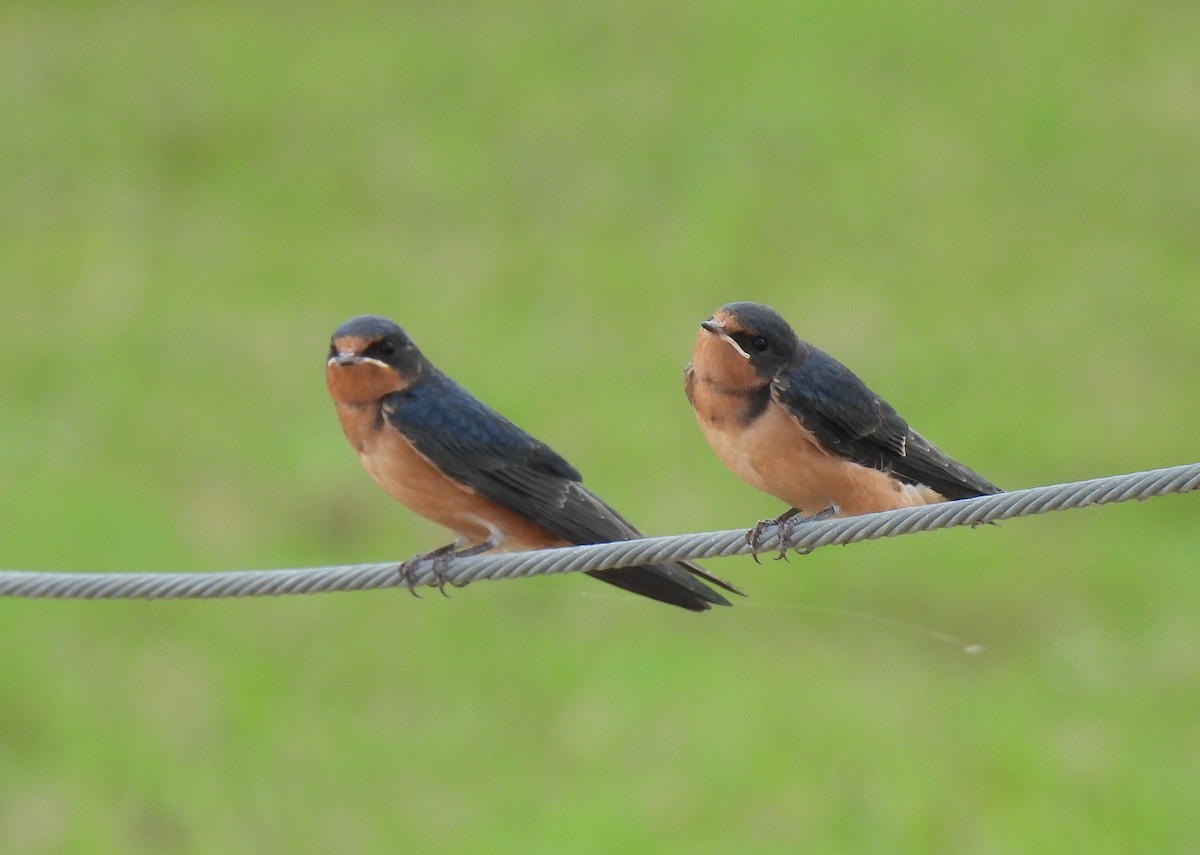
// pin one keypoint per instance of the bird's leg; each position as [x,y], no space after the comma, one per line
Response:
[754,535]
[789,525]
[787,522]
[441,558]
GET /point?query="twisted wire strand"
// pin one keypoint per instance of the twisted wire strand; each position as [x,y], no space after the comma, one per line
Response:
[803,537]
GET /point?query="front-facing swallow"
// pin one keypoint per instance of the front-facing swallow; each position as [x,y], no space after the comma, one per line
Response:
[792,421]
[454,460]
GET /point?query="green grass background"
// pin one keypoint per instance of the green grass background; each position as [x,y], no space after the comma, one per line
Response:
[991,212]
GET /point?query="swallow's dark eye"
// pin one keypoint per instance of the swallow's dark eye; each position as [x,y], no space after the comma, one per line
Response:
[759,343]
[386,347]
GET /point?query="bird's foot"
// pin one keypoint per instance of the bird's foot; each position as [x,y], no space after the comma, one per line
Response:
[786,523]
[754,535]
[439,559]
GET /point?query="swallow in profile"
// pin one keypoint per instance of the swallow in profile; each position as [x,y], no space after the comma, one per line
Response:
[455,461]
[792,421]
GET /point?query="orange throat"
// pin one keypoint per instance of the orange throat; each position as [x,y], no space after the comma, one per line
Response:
[717,363]
[361,382]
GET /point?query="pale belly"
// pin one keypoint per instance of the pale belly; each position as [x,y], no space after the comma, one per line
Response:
[775,454]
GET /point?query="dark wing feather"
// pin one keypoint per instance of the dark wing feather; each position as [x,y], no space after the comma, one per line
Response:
[850,420]
[478,447]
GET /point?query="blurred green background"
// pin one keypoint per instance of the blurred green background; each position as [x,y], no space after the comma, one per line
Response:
[991,212]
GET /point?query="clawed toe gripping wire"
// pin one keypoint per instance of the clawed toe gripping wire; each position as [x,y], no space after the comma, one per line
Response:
[801,536]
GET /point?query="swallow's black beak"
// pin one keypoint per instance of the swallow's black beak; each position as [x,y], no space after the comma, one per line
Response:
[343,359]
[712,325]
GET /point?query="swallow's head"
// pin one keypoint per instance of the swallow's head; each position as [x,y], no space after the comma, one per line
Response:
[744,346]
[369,357]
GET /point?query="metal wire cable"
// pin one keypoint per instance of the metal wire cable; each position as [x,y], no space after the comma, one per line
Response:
[803,537]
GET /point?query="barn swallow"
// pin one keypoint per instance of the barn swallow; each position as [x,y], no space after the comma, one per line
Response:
[454,460]
[792,421]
